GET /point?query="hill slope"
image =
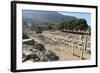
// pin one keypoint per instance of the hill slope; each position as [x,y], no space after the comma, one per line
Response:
[45,16]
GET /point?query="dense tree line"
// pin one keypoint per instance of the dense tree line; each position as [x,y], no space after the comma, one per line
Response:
[74,25]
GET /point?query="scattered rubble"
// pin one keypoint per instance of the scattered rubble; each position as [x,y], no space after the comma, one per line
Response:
[38,53]
[29,42]
[39,47]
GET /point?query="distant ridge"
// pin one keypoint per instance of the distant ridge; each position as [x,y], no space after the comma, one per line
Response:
[45,16]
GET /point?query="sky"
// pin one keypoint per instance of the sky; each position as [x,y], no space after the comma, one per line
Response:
[86,16]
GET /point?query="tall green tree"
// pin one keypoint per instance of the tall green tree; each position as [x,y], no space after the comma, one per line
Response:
[75,24]
[61,26]
[83,24]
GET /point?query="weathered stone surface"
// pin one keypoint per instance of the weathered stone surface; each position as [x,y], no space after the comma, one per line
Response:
[36,52]
[39,47]
[51,56]
[25,36]
[34,57]
[23,55]
[39,54]
[31,42]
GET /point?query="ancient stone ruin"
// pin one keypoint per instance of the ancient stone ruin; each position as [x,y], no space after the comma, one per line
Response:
[37,53]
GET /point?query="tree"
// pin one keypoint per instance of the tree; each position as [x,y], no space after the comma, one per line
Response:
[83,25]
[67,25]
[61,26]
[75,24]
[89,30]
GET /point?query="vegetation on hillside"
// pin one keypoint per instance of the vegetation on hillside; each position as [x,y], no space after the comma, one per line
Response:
[74,25]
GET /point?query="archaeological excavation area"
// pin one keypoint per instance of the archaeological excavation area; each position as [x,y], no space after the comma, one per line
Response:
[55,46]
